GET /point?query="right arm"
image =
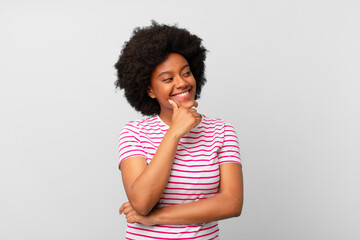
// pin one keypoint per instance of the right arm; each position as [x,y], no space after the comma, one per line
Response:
[144,184]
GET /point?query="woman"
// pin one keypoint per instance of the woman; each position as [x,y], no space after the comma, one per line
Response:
[181,170]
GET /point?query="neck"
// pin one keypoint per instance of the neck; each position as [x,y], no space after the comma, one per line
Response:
[166,117]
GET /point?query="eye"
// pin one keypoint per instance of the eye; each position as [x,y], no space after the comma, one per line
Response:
[167,80]
[187,74]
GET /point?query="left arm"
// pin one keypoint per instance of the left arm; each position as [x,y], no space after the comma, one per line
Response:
[226,204]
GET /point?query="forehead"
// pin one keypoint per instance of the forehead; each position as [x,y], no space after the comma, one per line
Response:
[173,62]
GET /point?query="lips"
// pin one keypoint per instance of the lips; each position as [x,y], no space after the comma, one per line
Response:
[182,94]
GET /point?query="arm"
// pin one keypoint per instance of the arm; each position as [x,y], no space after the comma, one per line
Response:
[226,204]
[144,184]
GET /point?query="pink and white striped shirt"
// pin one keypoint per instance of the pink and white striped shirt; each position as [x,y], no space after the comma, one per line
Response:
[195,172]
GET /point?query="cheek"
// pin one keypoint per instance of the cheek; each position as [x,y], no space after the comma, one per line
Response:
[193,81]
[194,84]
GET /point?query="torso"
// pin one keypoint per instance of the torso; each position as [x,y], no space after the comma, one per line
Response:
[194,175]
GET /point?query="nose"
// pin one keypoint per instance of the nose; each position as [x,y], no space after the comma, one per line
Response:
[180,82]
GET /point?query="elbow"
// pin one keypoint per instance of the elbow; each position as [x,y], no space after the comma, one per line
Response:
[235,208]
[237,212]
[142,201]
[142,211]
[141,207]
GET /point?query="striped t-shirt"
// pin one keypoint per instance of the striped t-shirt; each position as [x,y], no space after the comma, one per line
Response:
[195,171]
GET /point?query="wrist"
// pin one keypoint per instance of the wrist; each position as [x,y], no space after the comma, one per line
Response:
[173,134]
[153,217]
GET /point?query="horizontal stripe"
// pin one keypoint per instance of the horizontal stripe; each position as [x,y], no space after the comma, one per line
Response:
[142,235]
[186,226]
[202,147]
[133,155]
[208,123]
[182,199]
[195,155]
[213,237]
[195,160]
[176,176]
[178,170]
[192,166]
[121,150]
[229,157]
[186,183]
[150,157]
[189,194]
[201,189]
[213,130]
[231,162]
[228,151]
[211,127]
[140,152]
[212,141]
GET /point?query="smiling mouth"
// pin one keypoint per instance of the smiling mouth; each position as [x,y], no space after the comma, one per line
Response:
[182,94]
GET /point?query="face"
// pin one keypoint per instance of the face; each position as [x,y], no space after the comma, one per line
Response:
[172,79]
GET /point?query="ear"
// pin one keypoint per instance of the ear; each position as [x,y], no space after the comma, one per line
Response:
[150,92]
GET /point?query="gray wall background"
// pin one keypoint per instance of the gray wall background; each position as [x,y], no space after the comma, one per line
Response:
[284,73]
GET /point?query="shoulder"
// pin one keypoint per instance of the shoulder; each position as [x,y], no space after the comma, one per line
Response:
[137,125]
[211,121]
[218,125]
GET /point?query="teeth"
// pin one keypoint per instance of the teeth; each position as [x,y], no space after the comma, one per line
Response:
[182,94]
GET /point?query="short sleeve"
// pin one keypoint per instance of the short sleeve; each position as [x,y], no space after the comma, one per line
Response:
[129,143]
[230,151]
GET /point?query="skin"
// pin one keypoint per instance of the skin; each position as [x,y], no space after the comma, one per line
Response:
[144,183]
[171,77]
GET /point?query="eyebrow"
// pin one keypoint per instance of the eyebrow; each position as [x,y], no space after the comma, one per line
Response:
[187,65]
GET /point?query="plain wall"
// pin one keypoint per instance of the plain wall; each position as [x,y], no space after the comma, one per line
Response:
[284,73]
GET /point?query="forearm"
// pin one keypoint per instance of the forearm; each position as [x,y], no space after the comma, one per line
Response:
[220,206]
[226,204]
[148,187]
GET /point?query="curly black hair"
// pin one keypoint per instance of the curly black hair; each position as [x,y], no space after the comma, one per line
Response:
[147,48]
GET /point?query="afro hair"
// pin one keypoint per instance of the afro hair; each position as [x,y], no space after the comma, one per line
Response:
[147,48]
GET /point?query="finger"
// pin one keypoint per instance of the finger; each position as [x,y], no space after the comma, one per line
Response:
[130,213]
[131,219]
[198,118]
[128,209]
[121,210]
[178,104]
[124,206]
[198,115]
[174,104]
[190,104]
[193,111]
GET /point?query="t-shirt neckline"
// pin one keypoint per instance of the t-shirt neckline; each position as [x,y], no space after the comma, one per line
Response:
[167,126]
